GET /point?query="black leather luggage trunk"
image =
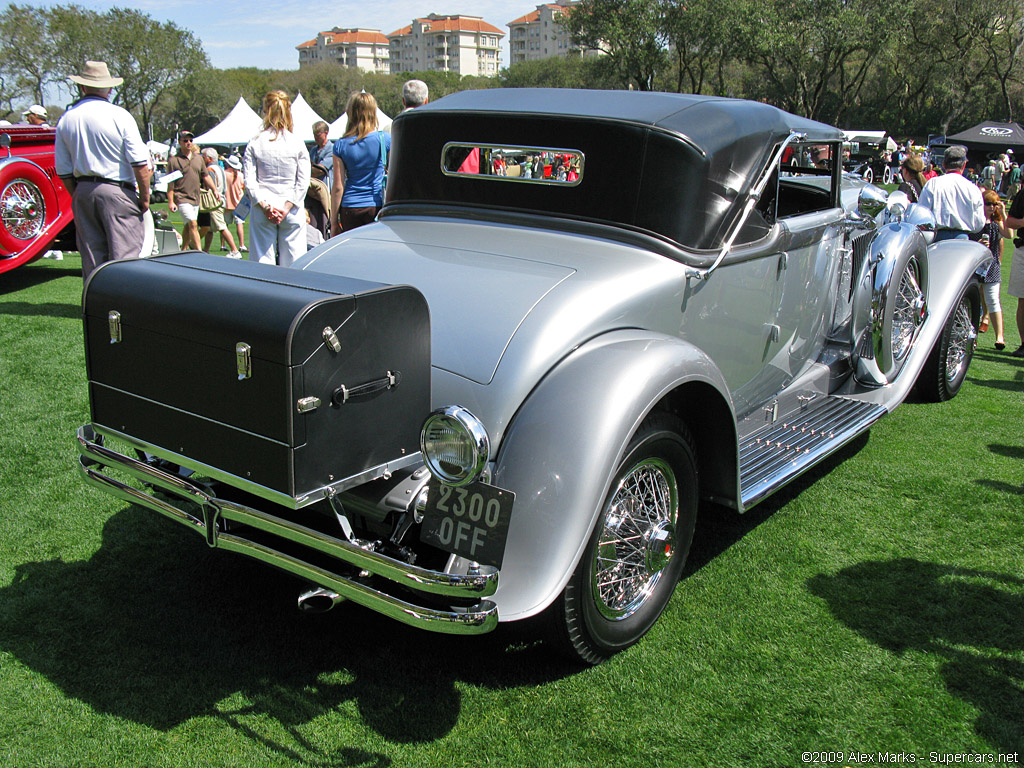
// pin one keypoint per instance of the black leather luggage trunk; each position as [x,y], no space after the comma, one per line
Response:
[283,382]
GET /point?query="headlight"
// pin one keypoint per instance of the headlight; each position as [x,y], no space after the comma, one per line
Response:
[455,445]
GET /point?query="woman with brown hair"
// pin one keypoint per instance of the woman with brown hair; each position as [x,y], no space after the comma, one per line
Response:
[992,235]
[276,171]
[912,171]
[361,159]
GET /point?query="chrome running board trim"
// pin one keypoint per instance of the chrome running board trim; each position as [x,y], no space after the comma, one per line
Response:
[477,619]
[773,456]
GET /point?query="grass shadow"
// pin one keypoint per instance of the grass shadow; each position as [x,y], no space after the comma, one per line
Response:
[158,629]
[31,275]
[969,619]
[49,309]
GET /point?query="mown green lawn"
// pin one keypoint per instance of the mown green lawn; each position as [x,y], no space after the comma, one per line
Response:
[876,605]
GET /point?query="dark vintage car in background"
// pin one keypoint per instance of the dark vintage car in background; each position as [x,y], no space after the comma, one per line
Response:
[510,397]
[35,208]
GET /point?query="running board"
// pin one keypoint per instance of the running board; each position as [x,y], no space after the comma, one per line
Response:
[776,454]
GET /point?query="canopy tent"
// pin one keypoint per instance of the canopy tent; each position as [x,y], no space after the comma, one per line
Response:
[303,118]
[158,151]
[241,124]
[338,127]
[991,136]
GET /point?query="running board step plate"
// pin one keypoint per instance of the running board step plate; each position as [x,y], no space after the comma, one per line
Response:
[773,456]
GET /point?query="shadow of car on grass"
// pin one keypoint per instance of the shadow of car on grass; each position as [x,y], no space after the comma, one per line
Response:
[158,629]
[970,619]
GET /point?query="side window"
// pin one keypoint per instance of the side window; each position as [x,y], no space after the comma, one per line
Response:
[808,179]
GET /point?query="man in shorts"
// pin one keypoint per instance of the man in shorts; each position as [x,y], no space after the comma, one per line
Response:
[1015,286]
[183,193]
[215,180]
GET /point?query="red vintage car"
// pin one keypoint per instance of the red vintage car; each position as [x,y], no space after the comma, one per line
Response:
[34,205]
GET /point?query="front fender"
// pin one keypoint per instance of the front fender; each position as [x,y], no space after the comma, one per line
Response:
[30,196]
[952,264]
[564,444]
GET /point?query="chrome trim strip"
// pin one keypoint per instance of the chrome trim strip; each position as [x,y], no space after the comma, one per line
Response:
[267,494]
[479,618]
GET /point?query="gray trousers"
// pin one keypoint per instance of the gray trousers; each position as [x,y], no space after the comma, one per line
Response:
[108,223]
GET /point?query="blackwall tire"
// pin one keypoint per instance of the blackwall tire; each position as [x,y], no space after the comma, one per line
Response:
[946,368]
[638,548]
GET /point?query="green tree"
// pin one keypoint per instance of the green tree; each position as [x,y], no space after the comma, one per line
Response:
[27,65]
[556,72]
[813,57]
[151,56]
[630,33]
[702,40]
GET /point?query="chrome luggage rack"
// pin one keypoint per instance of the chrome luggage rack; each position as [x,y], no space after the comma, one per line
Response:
[477,619]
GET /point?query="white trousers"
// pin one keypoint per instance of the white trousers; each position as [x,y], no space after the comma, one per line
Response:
[282,243]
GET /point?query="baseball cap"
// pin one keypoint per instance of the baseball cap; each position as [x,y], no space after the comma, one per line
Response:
[35,109]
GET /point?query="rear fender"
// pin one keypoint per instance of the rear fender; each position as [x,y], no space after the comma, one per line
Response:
[565,442]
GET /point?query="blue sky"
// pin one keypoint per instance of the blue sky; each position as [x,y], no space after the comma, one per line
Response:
[264,33]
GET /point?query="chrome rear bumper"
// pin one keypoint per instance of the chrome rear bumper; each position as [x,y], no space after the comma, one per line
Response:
[476,619]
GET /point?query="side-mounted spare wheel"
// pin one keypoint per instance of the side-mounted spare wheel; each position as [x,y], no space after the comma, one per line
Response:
[889,306]
[946,368]
[638,547]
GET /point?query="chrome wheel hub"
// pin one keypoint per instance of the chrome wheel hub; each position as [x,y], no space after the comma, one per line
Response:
[638,539]
[23,209]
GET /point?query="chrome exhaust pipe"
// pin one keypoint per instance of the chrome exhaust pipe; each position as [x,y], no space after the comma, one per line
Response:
[319,600]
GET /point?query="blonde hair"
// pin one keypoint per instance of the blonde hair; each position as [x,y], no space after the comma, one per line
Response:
[362,115]
[277,112]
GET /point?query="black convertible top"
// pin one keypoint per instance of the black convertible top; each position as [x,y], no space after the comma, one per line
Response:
[667,164]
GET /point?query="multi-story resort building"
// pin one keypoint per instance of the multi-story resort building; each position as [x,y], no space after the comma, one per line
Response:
[467,45]
[539,34]
[365,49]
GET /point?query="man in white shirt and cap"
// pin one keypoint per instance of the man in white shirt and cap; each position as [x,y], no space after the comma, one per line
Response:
[955,202]
[104,163]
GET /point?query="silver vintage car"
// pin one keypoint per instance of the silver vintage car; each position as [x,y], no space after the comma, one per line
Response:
[581,318]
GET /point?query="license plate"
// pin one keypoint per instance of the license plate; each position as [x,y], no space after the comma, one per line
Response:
[471,521]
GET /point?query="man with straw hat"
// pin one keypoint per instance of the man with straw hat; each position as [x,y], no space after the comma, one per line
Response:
[101,158]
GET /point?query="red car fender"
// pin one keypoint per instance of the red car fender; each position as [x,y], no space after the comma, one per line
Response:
[34,205]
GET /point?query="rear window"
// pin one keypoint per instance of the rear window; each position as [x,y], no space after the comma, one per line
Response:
[533,165]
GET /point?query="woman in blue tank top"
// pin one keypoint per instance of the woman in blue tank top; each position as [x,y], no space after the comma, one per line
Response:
[357,193]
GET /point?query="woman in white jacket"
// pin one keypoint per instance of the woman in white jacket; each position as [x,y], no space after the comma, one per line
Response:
[276,171]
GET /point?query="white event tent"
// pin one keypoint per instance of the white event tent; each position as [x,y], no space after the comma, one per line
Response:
[303,118]
[241,124]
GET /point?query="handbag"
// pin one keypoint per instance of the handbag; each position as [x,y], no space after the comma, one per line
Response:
[384,164]
[208,200]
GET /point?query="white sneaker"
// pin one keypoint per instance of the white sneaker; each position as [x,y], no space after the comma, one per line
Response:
[234,255]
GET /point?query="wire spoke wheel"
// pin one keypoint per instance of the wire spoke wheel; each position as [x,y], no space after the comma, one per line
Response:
[907,310]
[946,368]
[961,341]
[637,539]
[23,209]
[637,549]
